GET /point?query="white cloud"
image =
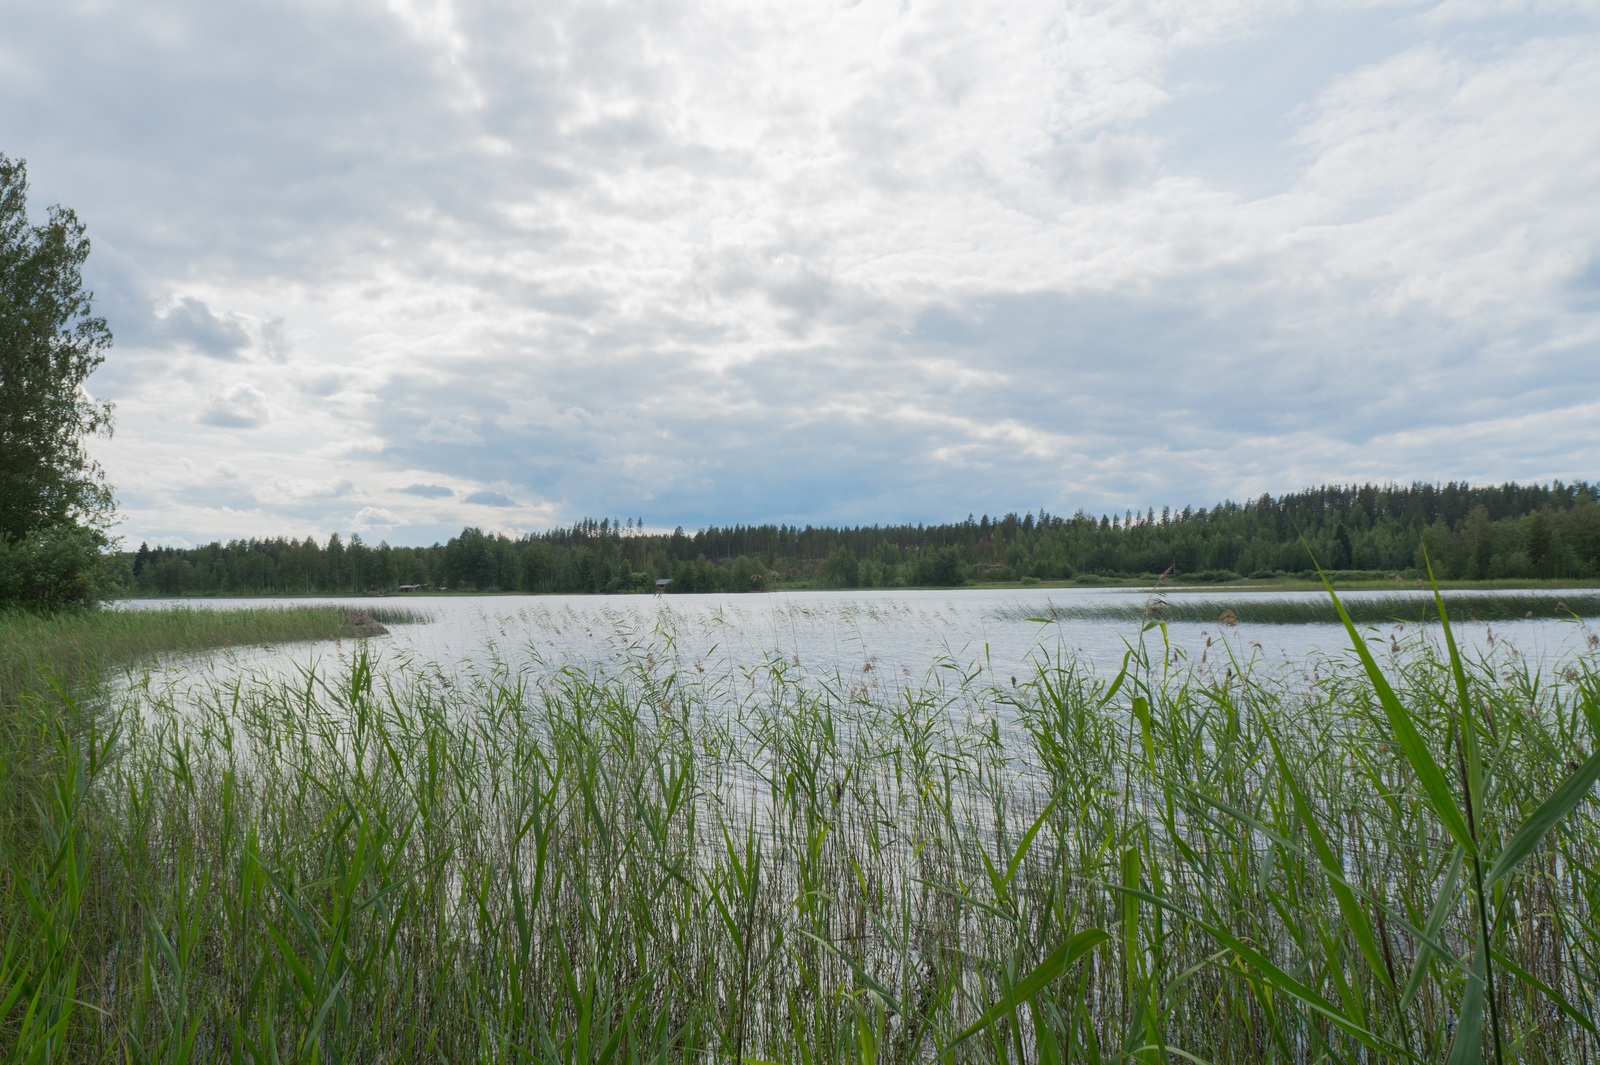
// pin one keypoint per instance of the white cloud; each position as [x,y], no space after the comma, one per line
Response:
[281,490]
[374,518]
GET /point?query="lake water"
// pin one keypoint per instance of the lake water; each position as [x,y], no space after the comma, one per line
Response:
[888,638]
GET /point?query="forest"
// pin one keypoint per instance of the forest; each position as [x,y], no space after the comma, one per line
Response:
[1511,531]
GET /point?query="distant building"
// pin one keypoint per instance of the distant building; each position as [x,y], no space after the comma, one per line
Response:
[411,587]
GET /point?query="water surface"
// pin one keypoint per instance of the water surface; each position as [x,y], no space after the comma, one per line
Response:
[885,637]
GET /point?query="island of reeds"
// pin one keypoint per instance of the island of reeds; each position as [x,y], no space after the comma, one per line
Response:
[1391,858]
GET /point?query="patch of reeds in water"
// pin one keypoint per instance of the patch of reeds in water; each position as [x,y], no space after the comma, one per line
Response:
[379,866]
[1268,610]
[71,648]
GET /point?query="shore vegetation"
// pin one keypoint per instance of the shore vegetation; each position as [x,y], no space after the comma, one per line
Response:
[1234,609]
[1392,856]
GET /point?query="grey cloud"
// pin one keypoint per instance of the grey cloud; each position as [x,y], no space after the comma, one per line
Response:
[258,139]
[191,323]
[997,398]
[322,384]
[275,340]
[1105,166]
[240,407]
[457,431]
[121,293]
[490,499]
[428,491]
[804,290]
[800,288]
[1583,287]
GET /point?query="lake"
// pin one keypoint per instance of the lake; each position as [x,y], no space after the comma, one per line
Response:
[845,638]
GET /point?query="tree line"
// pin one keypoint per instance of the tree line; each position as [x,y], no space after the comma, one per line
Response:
[1368,531]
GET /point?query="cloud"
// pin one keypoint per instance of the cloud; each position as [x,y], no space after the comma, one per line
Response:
[867,263]
[275,340]
[370,518]
[240,407]
[446,431]
[282,490]
[191,323]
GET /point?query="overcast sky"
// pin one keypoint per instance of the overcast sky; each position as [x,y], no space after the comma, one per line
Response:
[396,268]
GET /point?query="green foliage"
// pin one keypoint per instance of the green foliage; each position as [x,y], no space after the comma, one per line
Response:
[1507,532]
[51,492]
[55,567]
[372,864]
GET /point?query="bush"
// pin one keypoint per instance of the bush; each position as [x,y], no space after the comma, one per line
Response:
[56,567]
[1213,576]
[1349,575]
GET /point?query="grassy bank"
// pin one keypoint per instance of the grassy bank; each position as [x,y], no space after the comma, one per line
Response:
[390,865]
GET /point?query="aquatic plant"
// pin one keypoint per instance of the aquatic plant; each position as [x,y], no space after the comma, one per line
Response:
[380,863]
[1266,609]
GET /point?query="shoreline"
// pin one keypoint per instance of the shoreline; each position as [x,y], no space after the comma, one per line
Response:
[1097,584]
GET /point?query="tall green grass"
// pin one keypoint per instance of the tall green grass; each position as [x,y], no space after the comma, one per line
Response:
[1396,863]
[72,649]
[50,661]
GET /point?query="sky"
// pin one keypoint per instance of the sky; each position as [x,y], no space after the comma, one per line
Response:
[396,268]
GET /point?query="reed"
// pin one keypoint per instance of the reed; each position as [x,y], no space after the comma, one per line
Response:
[72,648]
[1395,861]
[1418,607]
[49,661]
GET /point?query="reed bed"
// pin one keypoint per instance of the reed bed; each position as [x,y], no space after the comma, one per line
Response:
[1399,861]
[72,648]
[1262,609]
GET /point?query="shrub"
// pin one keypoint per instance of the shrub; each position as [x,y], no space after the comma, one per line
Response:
[56,567]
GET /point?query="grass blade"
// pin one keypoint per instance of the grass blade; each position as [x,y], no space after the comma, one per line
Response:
[1277,978]
[1056,963]
[1561,802]
[1355,916]
[1411,743]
